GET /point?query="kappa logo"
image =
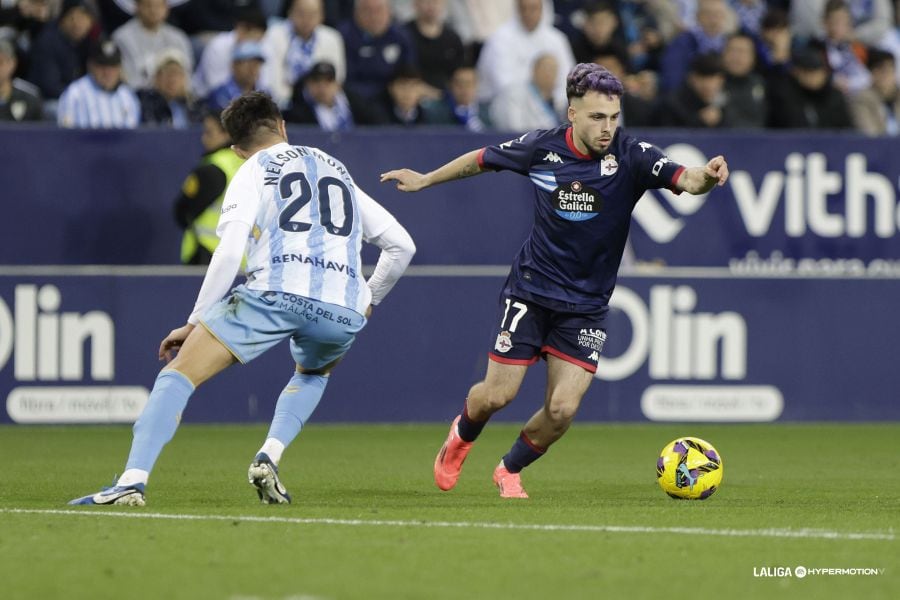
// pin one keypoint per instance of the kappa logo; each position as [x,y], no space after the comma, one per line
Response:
[553,157]
[595,356]
[645,146]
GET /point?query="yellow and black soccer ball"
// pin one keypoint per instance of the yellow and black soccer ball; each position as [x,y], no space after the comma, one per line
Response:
[689,469]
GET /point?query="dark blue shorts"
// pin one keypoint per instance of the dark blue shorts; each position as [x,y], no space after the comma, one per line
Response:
[529,327]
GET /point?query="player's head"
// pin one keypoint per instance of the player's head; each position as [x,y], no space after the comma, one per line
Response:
[595,101]
[253,121]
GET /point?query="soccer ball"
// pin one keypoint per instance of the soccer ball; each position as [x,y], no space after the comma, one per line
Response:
[689,469]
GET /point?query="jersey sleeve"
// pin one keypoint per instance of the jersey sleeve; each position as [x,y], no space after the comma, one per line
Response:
[375,218]
[514,155]
[653,169]
[242,198]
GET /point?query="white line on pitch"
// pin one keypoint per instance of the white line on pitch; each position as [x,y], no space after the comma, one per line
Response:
[776,533]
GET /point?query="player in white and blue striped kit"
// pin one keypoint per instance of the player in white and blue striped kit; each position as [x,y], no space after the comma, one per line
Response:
[301,219]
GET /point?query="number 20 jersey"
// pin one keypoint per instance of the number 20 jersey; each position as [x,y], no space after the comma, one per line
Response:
[308,221]
[582,209]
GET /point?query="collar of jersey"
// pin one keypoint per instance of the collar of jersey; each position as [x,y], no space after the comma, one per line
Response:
[571,143]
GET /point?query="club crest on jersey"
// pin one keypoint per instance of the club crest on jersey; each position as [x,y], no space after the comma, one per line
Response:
[503,343]
[576,202]
[609,166]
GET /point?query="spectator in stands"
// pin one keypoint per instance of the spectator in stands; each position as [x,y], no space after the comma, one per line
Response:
[246,64]
[775,44]
[600,32]
[114,13]
[376,47]
[59,54]
[295,45]
[199,204]
[891,41]
[509,54]
[19,100]
[214,67]
[648,26]
[533,105]
[338,11]
[745,90]
[204,19]
[637,110]
[438,48]
[845,56]
[808,99]
[402,104]
[318,99]
[460,105]
[146,35]
[871,19]
[100,100]
[168,102]
[714,18]
[876,111]
[749,14]
[659,16]
[22,22]
[697,103]
[23,14]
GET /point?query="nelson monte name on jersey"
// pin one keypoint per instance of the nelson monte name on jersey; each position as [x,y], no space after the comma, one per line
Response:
[582,207]
[308,220]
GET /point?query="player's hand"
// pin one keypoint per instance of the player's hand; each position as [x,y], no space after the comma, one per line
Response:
[717,169]
[172,342]
[407,179]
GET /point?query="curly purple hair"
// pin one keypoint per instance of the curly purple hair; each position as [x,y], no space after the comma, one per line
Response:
[591,77]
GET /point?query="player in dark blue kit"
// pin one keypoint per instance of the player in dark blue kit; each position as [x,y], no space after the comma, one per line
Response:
[587,179]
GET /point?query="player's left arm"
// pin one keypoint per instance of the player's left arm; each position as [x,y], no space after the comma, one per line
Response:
[699,180]
[223,268]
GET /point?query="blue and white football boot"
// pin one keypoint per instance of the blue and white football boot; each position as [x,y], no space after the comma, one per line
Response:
[121,495]
[263,475]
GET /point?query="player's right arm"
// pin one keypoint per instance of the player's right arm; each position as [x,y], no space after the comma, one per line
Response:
[458,168]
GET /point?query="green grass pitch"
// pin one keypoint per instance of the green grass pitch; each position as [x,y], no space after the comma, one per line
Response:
[368,522]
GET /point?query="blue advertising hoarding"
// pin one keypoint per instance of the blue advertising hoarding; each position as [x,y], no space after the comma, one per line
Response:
[684,345]
[796,202]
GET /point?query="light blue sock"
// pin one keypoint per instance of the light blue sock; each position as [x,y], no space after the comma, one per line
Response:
[296,403]
[157,424]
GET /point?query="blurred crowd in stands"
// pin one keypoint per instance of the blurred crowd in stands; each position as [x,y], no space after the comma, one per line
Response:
[472,64]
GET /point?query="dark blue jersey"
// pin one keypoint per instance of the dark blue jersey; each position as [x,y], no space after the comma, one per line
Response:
[582,209]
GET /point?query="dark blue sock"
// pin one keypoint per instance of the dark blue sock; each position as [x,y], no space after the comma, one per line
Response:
[468,429]
[523,453]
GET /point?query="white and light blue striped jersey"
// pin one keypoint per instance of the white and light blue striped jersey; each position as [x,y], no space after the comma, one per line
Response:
[85,104]
[308,220]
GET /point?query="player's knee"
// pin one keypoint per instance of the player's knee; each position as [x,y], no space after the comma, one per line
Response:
[562,409]
[498,397]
